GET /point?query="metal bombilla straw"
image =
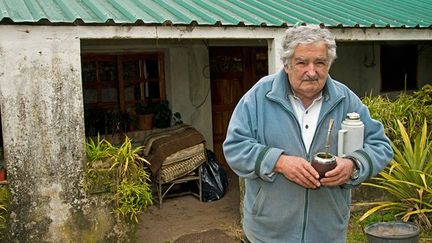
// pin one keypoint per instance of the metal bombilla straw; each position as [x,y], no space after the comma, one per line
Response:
[327,142]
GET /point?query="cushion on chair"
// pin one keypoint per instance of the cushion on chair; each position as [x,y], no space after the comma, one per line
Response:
[164,146]
[182,163]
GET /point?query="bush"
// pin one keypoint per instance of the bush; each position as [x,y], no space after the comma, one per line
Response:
[410,110]
[4,203]
[132,188]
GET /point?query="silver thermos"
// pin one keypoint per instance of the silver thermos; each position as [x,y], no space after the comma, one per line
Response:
[351,134]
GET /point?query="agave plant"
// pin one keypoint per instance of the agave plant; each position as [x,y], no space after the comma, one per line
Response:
[407,179]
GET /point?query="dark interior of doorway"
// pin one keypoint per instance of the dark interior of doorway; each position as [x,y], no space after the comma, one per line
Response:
[233,71]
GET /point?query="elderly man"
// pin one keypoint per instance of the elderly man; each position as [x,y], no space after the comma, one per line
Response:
[275,130]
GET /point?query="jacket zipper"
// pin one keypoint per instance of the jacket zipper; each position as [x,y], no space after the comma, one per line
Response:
[305,211]
[309,159]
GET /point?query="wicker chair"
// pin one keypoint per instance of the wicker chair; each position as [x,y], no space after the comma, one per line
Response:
[181,167]
[175,155]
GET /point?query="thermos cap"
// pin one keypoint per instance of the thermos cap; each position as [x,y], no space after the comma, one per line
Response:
[353,116]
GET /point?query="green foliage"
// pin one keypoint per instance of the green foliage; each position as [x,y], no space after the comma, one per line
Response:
[408,179]
[98,150]
[411,110]
[127,159]
[4,201]
[134,195]
[143,108]
[132,190]
[163,114]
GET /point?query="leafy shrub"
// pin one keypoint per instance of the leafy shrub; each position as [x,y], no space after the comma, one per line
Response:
[408,179]
[132,192]
[4,201]
[133,195]
[98,150]
[410,110]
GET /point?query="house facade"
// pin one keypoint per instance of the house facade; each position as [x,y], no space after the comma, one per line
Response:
[59,63]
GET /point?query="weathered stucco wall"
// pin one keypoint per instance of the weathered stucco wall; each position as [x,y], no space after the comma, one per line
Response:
[43,131]
[41,105]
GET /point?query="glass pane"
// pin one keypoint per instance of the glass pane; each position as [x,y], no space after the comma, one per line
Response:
[131,70]
[134,93]
[89,72]
[151,69]
[90,96]
[223,63]
[108,72]
[109,95]
[153,90]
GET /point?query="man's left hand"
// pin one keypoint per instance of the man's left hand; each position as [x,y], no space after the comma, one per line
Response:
[339,175]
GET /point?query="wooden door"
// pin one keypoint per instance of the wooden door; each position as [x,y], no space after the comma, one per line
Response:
[233,71]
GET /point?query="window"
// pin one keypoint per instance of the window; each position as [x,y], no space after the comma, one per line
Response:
[114,84]
[398,67]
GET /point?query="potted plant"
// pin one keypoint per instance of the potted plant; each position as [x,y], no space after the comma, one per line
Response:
[163,114]
[2,166]
[99,178]
[145,113]
[120,171]
[2,172]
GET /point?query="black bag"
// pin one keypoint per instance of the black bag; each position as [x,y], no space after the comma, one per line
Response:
[214,179]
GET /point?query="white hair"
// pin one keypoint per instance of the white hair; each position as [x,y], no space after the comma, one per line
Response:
[307,35]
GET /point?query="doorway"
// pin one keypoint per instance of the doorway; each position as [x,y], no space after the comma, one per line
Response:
[233,71]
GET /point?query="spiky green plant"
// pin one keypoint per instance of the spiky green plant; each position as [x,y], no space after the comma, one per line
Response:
[408,179]
[4,201]
[126,158]
[98,150]
[133,193]
[2,209]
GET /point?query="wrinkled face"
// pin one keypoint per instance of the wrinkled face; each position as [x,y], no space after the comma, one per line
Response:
[308,70]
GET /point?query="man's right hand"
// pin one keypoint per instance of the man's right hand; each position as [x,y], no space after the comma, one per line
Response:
[298,170]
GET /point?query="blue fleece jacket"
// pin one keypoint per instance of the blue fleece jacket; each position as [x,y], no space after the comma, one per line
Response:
[262,127]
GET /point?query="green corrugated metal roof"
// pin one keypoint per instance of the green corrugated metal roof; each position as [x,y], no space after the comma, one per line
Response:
[331,13]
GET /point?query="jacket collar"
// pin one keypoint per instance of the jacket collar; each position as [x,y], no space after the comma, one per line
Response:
[281,88]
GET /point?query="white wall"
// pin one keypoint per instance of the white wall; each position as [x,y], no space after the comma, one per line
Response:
[190,87]
[358,66]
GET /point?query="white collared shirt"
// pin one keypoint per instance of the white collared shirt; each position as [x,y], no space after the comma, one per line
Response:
[307,118]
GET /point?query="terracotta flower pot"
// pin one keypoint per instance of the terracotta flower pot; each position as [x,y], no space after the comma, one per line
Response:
[2,174]
[145,122]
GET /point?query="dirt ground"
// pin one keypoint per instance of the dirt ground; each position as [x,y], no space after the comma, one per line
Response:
[186,219]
